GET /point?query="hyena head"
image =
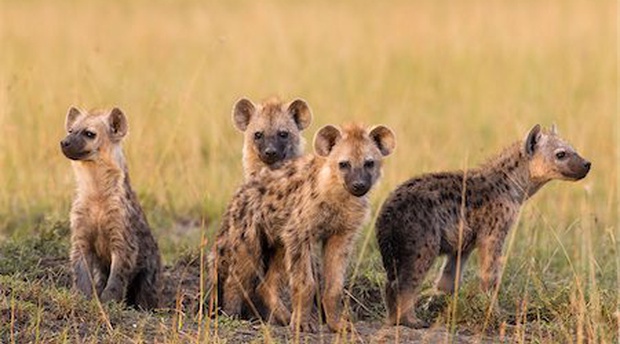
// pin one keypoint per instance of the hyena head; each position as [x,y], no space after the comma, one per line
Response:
[89,134]
[550,157]
[355,154]
[272,129]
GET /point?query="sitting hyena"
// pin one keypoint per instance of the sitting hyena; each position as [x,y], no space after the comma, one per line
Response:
[423,217]
[113,252]
[272,131]
[278,217]
[272,136]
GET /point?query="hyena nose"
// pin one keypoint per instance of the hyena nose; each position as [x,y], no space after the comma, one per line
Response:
[358,186]
[270,152]
[587,165]
[64,143]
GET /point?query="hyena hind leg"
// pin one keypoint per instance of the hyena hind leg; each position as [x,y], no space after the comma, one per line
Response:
[412,271]
[145,289]
[447,280]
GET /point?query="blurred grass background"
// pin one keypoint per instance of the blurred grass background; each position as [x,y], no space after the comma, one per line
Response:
[457,81]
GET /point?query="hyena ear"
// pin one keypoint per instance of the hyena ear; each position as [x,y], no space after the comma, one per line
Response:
[72,115]
[118,124]
[554,129]
[384,138]
[532,139]
[325,139]
[242,113]
[301,113]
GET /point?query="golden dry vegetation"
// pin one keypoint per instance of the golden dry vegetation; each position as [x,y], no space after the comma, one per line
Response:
[457,81]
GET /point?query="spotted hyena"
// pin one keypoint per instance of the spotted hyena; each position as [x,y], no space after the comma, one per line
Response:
[272,131]
[113,252]
[430,215]
[272,136]
[279,217]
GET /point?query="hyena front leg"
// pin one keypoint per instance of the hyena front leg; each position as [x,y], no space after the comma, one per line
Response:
[298,258]
[123,263]
[490,250]
[447,280]
[82,260]
[336,252]
[269,289]
[240,277]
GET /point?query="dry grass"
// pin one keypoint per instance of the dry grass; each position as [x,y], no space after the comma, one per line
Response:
[456,80]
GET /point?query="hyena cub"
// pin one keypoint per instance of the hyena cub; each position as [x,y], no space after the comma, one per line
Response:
[279,217]
[272,131]
[113,252]
[272,136]
[430,215]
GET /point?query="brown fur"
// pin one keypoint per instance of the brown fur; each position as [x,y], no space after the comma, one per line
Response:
[277,218]
[272,131]
[272,136]
[113,252]
[452,213]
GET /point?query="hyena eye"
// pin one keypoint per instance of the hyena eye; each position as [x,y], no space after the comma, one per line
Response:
[258,135]
[89,134]
[560,155]
[283,134]
[344,165]
[369,164]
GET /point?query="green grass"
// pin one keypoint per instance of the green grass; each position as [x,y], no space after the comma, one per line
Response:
[457,81]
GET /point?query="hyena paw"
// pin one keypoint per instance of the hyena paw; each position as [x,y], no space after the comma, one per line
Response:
[304,326]
[110,294]
[413,322]
[337,326]
[282,317]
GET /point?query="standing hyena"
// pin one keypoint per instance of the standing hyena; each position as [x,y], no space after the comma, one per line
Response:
[429,215]
[113,252]
[272,131]
[279,216]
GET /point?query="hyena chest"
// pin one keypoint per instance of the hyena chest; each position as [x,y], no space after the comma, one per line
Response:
[100,222]
[333,219]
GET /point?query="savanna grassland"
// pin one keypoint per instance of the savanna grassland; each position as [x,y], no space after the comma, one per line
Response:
[457,81]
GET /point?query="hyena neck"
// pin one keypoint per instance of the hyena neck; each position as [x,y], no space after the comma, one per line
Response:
[251,163]
[103,177]
[509,170]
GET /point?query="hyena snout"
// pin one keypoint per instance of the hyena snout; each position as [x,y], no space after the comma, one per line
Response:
[358,182]
[272,152]
[578,168]
[74,148]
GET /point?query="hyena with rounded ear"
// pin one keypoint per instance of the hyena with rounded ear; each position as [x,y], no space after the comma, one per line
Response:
[272,131]
[113,252]
[430,215]
[279,217]
[272,136]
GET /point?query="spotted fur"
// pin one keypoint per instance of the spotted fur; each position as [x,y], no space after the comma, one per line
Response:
[452,213]
[277,219]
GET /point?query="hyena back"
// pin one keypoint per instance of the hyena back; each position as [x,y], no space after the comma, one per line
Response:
[277,218]
[113,252]
[430,215]
[272,131]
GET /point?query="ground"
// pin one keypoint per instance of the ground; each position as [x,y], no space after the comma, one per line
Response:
[37,304]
